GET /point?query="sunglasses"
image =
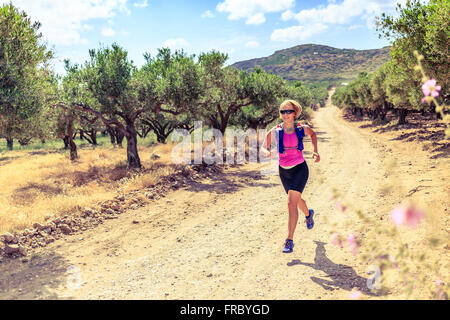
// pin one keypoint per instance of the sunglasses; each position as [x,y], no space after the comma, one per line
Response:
[287,111]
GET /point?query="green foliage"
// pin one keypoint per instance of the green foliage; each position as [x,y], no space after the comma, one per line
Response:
[169,78]
[24,74]
[423,28]
[266,91]
[108,76]
[402,87]
[419,27]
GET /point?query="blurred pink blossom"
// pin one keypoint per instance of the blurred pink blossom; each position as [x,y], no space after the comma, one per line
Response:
[355,295]
[341,206]
[392,260]
[429,88]
[440,293]
[353,243]
[336,240]
[407,215]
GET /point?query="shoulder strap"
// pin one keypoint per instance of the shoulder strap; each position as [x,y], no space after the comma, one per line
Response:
[279,134]
[300,132]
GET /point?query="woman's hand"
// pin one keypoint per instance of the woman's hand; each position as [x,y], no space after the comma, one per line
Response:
[316,156]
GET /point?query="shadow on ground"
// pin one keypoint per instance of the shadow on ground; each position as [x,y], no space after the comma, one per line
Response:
[422,129]
[229,182]
[34,278]
[340,276]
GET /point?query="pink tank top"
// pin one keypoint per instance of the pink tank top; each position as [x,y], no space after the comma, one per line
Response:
[290,157]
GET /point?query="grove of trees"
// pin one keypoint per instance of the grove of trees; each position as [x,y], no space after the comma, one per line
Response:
[396,86]
[109,93]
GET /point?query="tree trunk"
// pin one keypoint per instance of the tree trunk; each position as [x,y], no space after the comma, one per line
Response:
[376,113]
[81,134]
[9,143]
[94,136]
[119,136]
[402,116]
[112,136]
[72,145]
[66,142]
[160,138]
[73,150]
[133,160]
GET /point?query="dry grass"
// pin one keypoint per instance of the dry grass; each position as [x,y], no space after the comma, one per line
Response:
[38,185]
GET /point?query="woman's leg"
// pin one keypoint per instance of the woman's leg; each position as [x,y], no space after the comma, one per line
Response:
[293,200]
[302,206]
[301,179]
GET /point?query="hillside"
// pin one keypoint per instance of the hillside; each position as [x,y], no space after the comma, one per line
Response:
[314,63]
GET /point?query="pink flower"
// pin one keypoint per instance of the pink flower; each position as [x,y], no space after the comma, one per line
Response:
[440,293]
[341,206]
[429,88]
[407,215]
[355,295]
[353,243]
[392,260]
[337,240]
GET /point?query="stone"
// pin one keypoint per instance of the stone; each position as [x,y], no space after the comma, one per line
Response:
[65,228]
[9,238]
[52,226]
[15,248]
[38,226]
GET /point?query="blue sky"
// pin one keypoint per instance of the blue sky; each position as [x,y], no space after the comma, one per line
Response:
[244,29]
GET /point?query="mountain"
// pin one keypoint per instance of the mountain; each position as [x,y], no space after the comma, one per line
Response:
[312,63]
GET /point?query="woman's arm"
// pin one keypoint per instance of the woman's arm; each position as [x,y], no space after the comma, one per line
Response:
[310,132]
[267,142]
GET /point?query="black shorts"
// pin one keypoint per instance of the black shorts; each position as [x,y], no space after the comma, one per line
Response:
[294,178]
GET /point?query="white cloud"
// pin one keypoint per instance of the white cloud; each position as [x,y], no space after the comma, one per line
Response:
[207,14]
[62,21]
[287,15]
[252,10]
[316,20]
[297,33]
[257,18]
[141,4]
[344,12]
[252,44]
[108,32]
[176,43]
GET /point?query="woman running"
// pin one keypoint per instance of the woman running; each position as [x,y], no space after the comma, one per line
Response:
[292,165]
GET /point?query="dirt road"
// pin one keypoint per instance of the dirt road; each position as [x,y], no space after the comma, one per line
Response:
[221,238]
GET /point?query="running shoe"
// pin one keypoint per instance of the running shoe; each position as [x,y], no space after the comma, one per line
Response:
[310,220]
[288,246]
